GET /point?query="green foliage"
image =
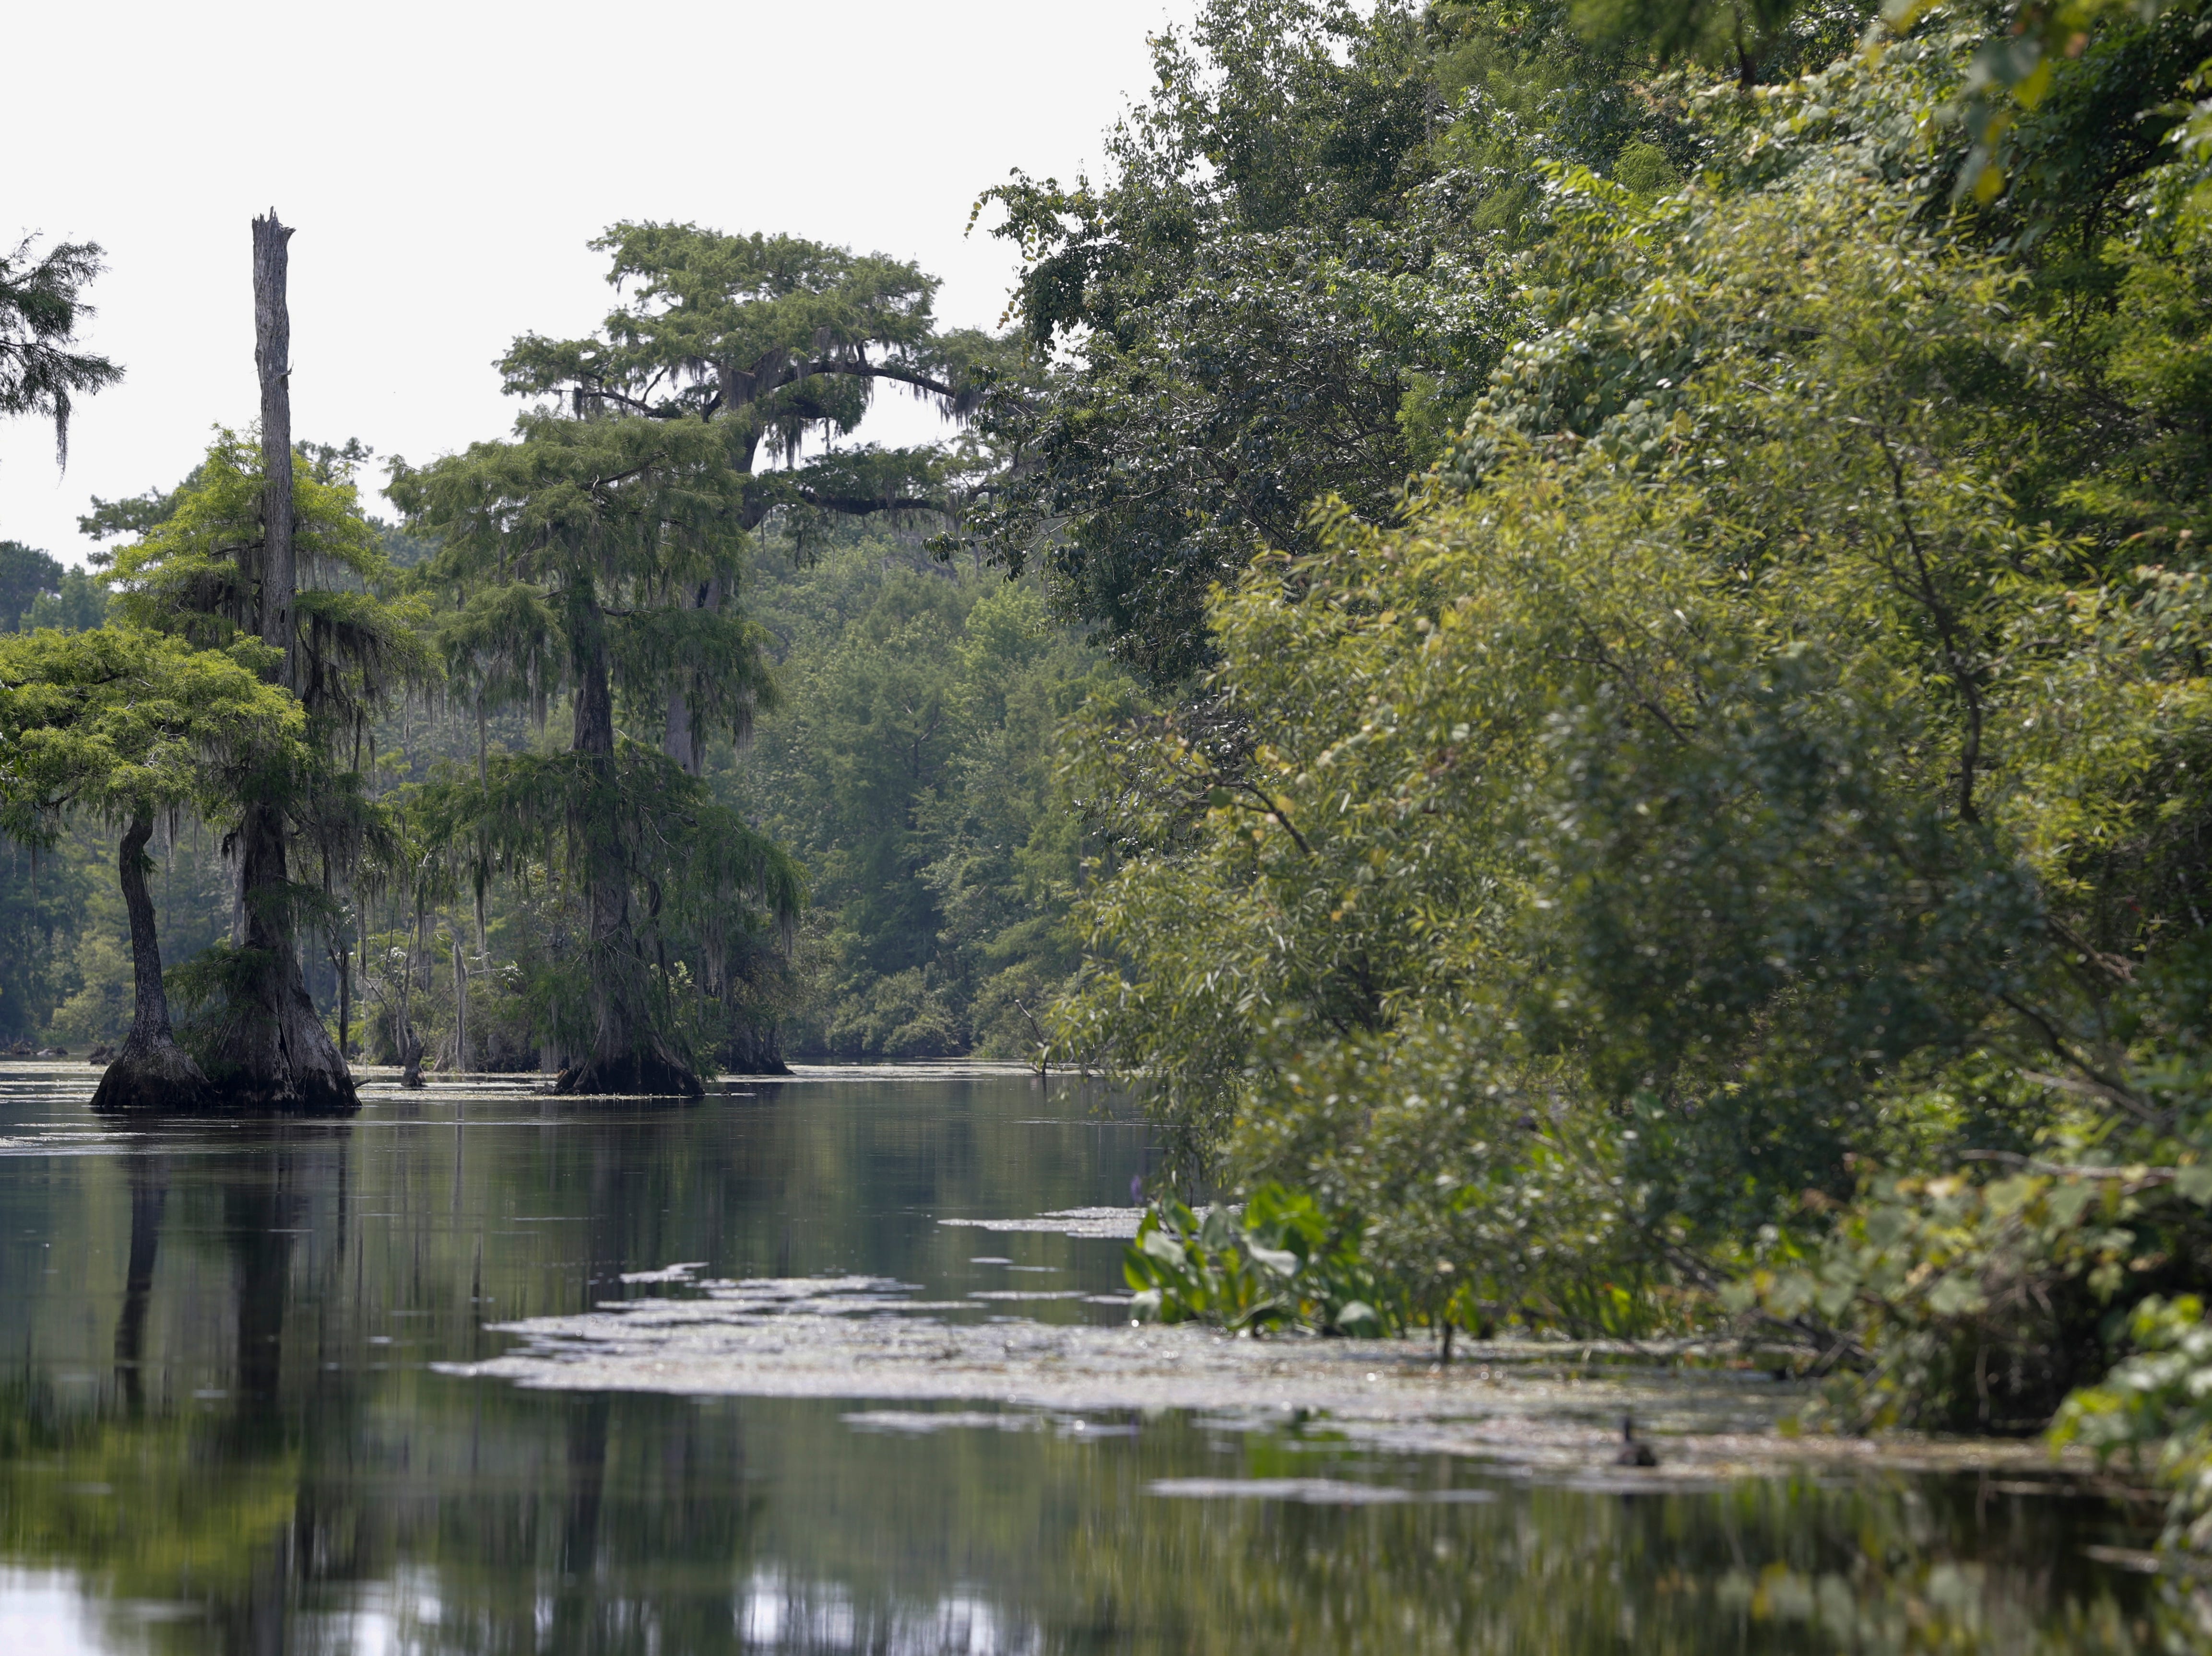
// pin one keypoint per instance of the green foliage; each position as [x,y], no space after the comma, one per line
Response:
[1480,1203]
[1757,40]
[712,885]
[567,559]
[771,338]
[570,559]
[2160,1398]
[910,765]
[1719,784]
[194,573]
[78,604]
[1982,1305]
[1292,282]
[194,570]
[1277,1264]
[26,574]
[45,904]
[41,304]
[35,592]
[121,723]
[119,726]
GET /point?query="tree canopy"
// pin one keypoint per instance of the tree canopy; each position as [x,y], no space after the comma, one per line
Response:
[1292,282]
[776,337]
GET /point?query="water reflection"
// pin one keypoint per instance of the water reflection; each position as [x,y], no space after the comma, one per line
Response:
[219,1430]
[150,1196]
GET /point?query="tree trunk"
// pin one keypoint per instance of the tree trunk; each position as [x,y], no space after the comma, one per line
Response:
[461,1000]
[628,1054]
[683,741]
[403,1034]
[152,1072]
[272,1054]
[345,996]
[272,356]
[755,1051]
[678,742]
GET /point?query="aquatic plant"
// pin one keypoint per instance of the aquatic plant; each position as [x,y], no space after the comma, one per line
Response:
[1278,1264]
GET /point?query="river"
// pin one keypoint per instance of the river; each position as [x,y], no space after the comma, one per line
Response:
[843,1364]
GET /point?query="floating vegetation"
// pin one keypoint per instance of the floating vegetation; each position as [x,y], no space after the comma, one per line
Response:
[1535,1409]
[1112,1224]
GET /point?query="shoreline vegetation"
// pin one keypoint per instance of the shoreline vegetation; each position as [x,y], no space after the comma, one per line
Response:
[1573,638]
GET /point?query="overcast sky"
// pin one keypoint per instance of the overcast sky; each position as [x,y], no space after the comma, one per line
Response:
[445,165]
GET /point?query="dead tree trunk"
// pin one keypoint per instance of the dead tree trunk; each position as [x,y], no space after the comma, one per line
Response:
[271,1052]
[272,358]
[152,1072]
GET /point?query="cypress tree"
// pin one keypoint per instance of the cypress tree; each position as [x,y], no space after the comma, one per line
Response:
[575,554]
[770,339]
[600,551]
[128,725]
[201,572]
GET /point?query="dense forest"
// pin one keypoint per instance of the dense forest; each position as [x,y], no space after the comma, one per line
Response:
[1573,636]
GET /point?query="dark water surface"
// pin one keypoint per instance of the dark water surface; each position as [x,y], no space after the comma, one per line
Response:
[221,1429]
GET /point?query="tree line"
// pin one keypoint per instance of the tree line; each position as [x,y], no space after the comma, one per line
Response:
[1718,855]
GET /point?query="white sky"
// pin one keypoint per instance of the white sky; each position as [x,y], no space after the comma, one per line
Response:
[446,163]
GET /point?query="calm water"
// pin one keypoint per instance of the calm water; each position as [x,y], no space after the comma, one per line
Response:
[221,1429]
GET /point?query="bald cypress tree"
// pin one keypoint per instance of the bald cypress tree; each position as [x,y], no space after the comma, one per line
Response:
[769,339]
[600,552]
[574,555]
[125,726]
[200,571]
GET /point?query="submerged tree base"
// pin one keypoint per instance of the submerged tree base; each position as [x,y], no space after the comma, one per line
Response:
[254,1030]
[754,1053]
[313,1093]
[654,1073]
[153,1078]
[295,1069]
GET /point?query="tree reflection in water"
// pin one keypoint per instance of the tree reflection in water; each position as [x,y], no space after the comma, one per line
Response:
[218,1420]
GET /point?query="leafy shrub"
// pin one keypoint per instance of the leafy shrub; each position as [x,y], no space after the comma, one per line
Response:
[1279,1264]
[1965,1303]
[2158,1398]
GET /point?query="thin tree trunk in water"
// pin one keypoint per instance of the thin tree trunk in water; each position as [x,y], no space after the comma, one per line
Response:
[403,1037]
[152,1072]
[483,946]
[345,996]
[627,1055]
[460,1001]
[272,1053]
